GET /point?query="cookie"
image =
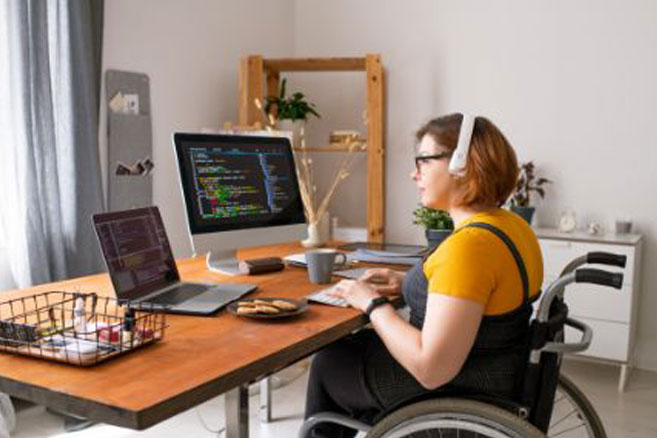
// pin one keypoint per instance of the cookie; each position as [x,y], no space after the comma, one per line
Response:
[246,304]
[261,308]
[246,310]
[284,305]
[258,302]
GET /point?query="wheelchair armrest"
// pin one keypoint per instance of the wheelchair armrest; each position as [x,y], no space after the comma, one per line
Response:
[331,417]
[573,347]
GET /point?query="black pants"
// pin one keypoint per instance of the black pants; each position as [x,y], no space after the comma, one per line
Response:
[358,377]
[337,384]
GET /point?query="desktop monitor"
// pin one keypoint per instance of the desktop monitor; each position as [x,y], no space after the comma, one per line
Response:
[239,191]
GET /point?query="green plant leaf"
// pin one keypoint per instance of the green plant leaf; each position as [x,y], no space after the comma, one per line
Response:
[433,219]
[525,185]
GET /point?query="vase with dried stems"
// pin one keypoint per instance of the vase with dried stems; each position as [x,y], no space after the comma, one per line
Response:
[315,207]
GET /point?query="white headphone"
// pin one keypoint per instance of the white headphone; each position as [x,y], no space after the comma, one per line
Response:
[460,156]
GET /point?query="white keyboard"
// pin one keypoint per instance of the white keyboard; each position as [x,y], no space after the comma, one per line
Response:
[323,297]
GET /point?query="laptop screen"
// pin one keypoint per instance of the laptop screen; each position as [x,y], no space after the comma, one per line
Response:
[136,250]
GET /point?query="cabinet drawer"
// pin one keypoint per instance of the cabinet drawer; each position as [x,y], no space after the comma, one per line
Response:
[556,255]
[595,301]
[600,302]
[610,339]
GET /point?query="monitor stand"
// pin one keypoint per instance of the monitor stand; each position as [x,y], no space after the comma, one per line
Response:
[224,262]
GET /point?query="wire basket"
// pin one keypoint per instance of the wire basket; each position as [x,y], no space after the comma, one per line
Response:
[75,328]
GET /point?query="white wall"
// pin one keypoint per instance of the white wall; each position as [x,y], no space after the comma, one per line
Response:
[190,50]
[572,84]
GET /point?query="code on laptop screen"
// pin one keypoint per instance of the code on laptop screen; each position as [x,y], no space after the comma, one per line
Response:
[136,251]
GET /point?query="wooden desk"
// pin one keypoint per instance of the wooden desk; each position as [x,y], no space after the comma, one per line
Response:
[199,358]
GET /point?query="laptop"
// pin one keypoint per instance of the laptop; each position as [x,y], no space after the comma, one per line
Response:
[141,265]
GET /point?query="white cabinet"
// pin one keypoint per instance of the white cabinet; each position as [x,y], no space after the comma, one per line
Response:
[611,313]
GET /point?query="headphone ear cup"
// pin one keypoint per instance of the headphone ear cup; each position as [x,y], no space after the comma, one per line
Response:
[459,158]
[458,162]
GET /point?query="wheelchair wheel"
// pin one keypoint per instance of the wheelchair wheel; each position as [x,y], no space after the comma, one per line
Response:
[449,417]
[573,415]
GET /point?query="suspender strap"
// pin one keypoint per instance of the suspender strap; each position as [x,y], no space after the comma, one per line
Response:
[516,255]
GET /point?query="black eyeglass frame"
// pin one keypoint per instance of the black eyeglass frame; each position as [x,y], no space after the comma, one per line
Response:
[421,158]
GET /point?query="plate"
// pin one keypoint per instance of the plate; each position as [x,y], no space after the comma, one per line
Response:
[302,306]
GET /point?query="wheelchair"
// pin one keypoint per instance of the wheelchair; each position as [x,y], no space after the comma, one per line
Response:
[547,405]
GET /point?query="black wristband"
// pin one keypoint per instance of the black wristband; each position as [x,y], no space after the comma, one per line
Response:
[376,302]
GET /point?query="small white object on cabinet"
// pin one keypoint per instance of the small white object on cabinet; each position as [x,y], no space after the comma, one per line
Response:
[567,222]
[611,313]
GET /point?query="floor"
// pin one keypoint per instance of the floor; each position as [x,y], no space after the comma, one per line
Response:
[632,414]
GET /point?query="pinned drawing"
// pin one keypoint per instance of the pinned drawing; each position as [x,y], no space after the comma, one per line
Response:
[139,168]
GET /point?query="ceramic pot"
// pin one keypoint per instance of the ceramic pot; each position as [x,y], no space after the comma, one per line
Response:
[295,127]
[435,237]
[527,213]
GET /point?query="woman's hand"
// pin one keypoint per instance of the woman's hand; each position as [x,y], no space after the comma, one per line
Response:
[385,281]
[357,293]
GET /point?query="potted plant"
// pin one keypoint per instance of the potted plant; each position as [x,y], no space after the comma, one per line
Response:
[291,112]
[438,224]
[527,183]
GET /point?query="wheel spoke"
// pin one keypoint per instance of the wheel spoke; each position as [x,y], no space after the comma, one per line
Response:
[567,430]
[570,414]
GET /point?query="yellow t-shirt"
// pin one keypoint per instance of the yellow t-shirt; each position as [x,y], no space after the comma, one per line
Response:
[476,264]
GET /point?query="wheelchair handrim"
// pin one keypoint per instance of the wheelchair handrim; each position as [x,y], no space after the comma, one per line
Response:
[447,421]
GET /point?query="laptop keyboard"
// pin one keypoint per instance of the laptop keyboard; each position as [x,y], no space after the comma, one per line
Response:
[178,294]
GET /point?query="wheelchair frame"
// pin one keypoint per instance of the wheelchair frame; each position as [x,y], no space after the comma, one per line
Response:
[528,416]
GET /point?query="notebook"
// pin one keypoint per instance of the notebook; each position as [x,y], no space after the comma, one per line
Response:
[361,255]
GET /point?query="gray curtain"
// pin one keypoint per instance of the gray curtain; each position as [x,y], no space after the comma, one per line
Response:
[52,176]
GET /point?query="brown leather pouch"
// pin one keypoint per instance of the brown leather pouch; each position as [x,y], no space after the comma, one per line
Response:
[261,266]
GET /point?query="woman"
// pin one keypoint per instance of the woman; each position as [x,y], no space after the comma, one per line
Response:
[470,300]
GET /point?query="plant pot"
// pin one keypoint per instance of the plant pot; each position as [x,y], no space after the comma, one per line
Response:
[435,237]
[527,213]
[295,127]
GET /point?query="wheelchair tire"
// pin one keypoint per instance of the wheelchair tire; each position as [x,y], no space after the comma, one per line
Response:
[453,417]
[584,409]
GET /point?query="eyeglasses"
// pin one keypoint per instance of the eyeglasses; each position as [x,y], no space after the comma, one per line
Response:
[419,159]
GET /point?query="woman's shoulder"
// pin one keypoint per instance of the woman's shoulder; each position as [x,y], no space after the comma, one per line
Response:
[464,242]
[469,239]
[505,221]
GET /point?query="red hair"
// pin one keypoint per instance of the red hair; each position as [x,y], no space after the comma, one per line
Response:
[491,170]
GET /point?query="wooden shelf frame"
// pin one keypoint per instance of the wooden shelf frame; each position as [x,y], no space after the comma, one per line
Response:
[259,77]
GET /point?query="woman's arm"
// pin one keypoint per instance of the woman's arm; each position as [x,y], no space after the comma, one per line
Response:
[435,355]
